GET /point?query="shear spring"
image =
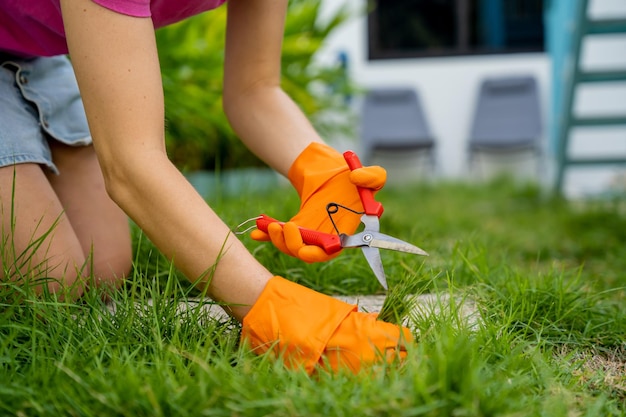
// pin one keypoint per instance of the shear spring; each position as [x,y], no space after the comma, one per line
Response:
[237,230]
[333,208]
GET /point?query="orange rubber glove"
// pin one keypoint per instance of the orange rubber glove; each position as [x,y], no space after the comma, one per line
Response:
[309,329]
[321,175]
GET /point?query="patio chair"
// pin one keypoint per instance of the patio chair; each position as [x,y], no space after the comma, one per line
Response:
[393,121]
[507,119]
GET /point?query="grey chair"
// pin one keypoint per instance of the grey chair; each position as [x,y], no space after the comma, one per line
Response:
[392,119]
[507,118]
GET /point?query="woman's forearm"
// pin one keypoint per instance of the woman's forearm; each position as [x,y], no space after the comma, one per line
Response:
[180,223]
[270,124]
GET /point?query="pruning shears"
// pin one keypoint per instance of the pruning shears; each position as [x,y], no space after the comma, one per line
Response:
[370,240]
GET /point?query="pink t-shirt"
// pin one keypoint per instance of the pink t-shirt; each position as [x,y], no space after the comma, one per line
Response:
[35,27]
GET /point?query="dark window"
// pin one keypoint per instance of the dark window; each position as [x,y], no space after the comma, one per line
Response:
[422,28]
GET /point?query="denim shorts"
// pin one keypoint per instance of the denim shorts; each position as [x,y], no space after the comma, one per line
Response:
[39,102]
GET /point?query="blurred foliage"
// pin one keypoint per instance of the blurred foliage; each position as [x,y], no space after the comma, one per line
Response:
[198,135]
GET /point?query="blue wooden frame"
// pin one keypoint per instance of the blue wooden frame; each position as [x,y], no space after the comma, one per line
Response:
[567,24]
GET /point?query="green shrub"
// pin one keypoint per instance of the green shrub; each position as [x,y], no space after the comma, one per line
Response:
[198,135]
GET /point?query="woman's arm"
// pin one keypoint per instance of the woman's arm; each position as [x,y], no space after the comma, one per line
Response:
[265,118]
[118,73]
[117,67]
[276,130]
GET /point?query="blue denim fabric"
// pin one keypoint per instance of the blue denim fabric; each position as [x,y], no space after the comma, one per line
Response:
[39,101]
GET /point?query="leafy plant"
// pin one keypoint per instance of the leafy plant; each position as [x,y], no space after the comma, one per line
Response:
[198,135]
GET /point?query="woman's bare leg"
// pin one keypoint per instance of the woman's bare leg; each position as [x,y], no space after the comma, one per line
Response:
[59,226]
[38,240]
[99,224]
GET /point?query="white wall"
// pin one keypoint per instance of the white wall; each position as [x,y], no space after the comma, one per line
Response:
[448,85]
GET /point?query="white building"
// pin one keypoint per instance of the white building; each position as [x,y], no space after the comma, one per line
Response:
[448,87]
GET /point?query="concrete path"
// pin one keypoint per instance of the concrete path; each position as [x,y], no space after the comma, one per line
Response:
[426,305]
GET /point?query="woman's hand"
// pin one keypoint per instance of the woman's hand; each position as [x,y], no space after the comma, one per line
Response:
[321,176]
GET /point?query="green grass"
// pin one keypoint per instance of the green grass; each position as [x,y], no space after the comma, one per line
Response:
[546,276]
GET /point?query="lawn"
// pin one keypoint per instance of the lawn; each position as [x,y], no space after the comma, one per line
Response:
[547,278]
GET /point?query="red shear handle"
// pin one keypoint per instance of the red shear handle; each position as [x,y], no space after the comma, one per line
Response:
[330,243]
[370,205]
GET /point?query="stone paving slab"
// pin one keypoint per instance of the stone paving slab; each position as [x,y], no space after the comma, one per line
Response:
[425,305]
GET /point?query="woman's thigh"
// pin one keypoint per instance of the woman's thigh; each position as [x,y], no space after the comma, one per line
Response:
[38,240]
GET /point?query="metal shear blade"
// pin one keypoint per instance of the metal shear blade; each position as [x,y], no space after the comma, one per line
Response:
[380,241]
[372,255]
[370,241]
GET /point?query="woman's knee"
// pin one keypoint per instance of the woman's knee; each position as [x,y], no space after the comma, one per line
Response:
[47,273]
[112,267]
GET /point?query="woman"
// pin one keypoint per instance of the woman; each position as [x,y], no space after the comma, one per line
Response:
[114,55]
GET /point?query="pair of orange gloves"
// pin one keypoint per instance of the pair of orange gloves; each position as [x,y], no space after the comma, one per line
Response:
[306,328]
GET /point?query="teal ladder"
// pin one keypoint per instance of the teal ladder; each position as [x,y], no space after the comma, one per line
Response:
[568,25]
